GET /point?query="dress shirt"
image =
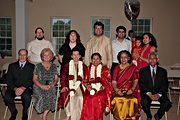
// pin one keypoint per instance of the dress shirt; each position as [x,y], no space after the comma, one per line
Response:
[22,64]
[119,46]
[151,69]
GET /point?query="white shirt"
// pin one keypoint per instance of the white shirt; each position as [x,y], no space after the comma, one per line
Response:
[151,68]
[22,63]
[35,47]
[118,46]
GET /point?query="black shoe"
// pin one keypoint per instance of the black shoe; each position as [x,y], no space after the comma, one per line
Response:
[156,117]
[13,115]
[25,116]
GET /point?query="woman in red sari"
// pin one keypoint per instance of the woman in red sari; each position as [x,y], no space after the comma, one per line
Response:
[150,45]
[126,96]
[98,93]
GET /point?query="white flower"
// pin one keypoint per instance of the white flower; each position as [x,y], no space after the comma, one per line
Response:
[74,84]
[71,93]
[98,71]
[92,92]
[96,86]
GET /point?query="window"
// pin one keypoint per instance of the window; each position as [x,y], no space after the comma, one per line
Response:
[141,26]
[105,21]
[5,36]
[60,27]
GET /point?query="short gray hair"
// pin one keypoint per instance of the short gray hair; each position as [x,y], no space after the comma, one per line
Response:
[153,53]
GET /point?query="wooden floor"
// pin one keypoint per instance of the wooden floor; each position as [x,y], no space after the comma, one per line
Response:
[171,114]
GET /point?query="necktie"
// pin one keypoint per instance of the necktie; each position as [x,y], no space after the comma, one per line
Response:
[21,66]
[153,75]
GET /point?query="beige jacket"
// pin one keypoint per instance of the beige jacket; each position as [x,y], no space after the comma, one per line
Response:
[103,46]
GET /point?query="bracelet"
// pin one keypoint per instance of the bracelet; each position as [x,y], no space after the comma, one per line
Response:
[132,90]
[116,90]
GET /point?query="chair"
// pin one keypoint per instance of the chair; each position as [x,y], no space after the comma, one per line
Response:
[17,100]
[175,89]
[3,87]
[55,113]
[156,105]
[57,97]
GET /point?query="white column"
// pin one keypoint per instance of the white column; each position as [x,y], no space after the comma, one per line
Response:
[20,10]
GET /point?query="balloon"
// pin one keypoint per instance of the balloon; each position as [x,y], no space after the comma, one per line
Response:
[131,9]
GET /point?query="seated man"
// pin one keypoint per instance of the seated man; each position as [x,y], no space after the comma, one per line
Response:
[153,84]
[19,82]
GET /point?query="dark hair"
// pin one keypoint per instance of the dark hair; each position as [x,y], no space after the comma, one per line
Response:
[130,31]
[99,24]
[120,27]
[67,40]
[21,50]
[139,38]
[127,53]
[75,49]
[39,28]
[94,54]
[153,41]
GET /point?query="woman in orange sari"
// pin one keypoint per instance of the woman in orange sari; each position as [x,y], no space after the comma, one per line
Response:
[126,96]
[150,45]
[98,93]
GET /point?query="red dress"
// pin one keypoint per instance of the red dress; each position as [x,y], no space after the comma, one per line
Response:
[144,54]
[125,79]
[94,105]
[136,50]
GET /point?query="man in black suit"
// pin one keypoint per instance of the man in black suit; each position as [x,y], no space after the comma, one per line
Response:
[19,83]
[153,85]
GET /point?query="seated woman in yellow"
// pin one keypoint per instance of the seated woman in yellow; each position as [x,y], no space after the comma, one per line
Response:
[125,103]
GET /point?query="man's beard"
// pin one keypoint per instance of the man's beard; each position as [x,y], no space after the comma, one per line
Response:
[40,38]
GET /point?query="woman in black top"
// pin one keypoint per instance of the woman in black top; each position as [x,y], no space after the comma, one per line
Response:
[72,41]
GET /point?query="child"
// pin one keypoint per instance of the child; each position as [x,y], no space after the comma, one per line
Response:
[136,50]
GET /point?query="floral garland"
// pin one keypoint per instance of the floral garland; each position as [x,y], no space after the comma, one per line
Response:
[98,71]
[95,86]
[72,70]
[74,78]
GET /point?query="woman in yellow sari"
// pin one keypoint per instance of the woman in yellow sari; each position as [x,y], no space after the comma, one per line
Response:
[126,97]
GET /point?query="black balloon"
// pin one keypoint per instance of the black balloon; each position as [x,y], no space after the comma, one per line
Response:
[131,9]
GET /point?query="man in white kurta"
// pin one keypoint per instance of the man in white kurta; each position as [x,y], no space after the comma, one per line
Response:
[36,46]
[71,77]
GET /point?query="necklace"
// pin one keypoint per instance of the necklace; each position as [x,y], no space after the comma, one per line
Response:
[46,65]
[124,66]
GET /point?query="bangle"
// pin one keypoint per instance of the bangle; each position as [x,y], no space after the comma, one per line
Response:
[116,90]
[132,90]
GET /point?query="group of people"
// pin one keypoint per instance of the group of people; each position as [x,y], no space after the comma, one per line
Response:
[121,77]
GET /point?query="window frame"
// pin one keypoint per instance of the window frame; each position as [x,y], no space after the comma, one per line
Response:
[10,54]
[54,43]
[151,25]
